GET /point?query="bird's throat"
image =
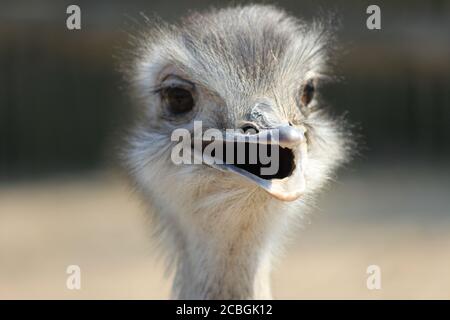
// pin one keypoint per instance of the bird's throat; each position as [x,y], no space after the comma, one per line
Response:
[230,256]
[209,273]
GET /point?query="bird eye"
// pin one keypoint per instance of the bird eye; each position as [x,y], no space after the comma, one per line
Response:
[178,100]
[307,92]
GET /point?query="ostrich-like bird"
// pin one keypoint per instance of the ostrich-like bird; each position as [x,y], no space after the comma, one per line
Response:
[237,68]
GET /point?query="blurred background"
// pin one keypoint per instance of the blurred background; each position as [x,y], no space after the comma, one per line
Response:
[61,203]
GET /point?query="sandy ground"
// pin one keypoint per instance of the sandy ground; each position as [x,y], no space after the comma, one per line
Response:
[96,223]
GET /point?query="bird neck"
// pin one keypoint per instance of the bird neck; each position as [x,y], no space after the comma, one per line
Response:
[209,272]
[228,259]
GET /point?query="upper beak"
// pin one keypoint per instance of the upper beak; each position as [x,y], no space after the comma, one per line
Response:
[290,137]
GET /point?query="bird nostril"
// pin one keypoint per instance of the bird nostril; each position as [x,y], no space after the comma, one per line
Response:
[249,129]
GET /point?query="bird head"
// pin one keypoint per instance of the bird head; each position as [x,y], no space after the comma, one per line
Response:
[251,73]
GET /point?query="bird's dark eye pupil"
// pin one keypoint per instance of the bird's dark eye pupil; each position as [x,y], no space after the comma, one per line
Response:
[178,100]
[307,93]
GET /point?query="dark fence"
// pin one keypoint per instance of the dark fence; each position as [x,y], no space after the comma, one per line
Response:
[60,96]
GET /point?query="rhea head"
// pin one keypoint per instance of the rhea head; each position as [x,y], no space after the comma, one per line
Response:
[254,69]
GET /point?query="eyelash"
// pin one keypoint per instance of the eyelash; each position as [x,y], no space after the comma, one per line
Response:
[160,87]
[157,90]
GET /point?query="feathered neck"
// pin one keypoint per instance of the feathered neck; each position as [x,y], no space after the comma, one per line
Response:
[229,256]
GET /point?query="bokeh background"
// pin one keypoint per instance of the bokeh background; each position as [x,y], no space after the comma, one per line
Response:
[62,203]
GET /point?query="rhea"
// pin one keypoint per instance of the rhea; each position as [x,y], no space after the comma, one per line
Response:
[254,69]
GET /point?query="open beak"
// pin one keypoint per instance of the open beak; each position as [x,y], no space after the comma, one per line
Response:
[282,176]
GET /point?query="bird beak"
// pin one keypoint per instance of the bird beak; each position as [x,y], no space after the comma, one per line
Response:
[288,153]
